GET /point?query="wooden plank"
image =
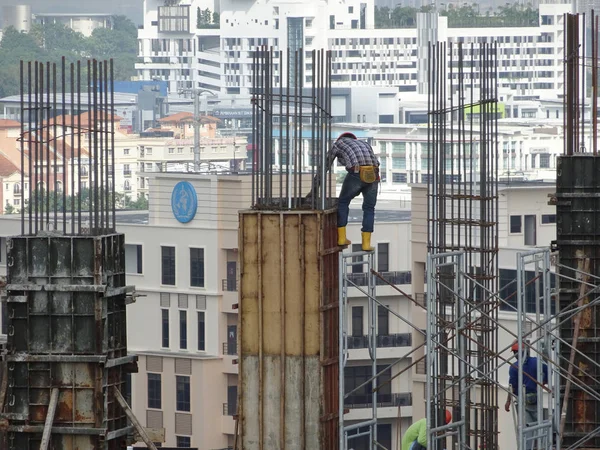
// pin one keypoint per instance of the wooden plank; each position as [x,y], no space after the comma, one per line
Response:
[49,420]
[129,413]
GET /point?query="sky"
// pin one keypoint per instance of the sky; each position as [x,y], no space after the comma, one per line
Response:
[129,8]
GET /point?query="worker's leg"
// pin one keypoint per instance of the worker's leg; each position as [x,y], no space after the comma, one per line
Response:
[531,419]
[350,189]
[369,192]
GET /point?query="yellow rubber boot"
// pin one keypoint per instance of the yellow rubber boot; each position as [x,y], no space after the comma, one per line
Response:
[366,242]
[342,241]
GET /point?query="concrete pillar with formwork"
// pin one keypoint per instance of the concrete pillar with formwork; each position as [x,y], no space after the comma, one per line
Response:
[288,330]
[67,332]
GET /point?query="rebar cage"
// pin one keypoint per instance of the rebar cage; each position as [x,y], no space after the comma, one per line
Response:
[462,189]
[291,130]
[67,160]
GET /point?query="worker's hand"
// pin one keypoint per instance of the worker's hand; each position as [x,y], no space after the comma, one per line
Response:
[507,406]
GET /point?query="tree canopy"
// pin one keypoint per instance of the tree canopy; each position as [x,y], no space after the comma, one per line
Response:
[467,16]
[50,42]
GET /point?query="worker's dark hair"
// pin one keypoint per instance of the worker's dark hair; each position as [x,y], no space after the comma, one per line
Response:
[347,135]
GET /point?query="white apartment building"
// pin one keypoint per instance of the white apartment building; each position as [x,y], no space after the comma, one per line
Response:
[530,58]
[80,23]
[526,151]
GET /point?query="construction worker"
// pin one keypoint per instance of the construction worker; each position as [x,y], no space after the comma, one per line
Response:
[362,178]
[530,383]
[415,437]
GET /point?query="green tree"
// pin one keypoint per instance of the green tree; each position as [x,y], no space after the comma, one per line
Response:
[52,37]
[14,47]
[383,17]
[216,18]
[9,209]
[124,24]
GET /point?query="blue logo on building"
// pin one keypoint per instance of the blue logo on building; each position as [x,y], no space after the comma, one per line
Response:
[184,201]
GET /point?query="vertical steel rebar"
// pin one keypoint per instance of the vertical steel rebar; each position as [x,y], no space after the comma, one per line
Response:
[22,145]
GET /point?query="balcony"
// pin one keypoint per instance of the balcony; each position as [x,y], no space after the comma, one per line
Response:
[228,419]
[383,400]
[230,350]
[229,287]
[127,172]
[230,365]
[395,278]
[389,406]
[230,409]
[383,341]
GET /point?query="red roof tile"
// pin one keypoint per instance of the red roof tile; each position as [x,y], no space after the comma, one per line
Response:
[9,123]
[7,167]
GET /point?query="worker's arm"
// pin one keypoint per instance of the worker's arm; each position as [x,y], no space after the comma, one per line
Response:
[422,438]
[508,399]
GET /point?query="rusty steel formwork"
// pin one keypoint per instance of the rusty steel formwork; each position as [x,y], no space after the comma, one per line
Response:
[66,334]
[578,242]
[462,190]
[67,361]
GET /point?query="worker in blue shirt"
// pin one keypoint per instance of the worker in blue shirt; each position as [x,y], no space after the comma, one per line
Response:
[529,383]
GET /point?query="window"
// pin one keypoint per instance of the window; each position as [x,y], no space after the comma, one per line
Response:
[184,442]
[383,321]
[201,331]
[165,328]
[197,267]
[544,160]
[515,224]
[148,151]
[383,257]
[183,393]
[173,19]
[126,151]
[154,391]
[133,258]
[331,22]
[171,150]
[357,321]
[168,265]
[183,330]
[548,218]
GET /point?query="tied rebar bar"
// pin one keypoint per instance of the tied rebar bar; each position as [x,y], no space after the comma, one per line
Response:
[67,160]
[291,130]
[462,193]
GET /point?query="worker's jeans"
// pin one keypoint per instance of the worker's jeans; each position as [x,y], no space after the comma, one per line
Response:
[416,446]
[351,187]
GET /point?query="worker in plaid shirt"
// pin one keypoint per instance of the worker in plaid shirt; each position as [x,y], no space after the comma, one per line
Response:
[363,177]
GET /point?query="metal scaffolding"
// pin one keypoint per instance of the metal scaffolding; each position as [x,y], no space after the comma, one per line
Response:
[367,427]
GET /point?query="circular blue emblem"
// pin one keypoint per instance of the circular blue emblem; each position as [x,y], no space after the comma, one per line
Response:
[184,201]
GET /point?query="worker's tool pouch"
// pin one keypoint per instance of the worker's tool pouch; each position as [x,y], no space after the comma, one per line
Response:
[368,174]
[531,399]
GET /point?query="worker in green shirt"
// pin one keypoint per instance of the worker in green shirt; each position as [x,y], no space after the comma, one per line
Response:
[415,437]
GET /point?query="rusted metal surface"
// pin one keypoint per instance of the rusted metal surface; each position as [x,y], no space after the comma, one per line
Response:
[288,396]
[72,341]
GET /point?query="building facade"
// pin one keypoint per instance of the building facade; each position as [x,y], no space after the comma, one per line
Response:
[218,57]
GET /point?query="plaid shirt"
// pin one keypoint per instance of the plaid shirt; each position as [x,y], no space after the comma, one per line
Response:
[351,153]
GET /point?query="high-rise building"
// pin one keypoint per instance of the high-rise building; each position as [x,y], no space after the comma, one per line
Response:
[184,44]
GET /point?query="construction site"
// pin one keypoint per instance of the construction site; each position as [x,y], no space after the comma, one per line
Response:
[66,359]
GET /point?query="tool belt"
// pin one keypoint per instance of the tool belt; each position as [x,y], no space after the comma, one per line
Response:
[367,174]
